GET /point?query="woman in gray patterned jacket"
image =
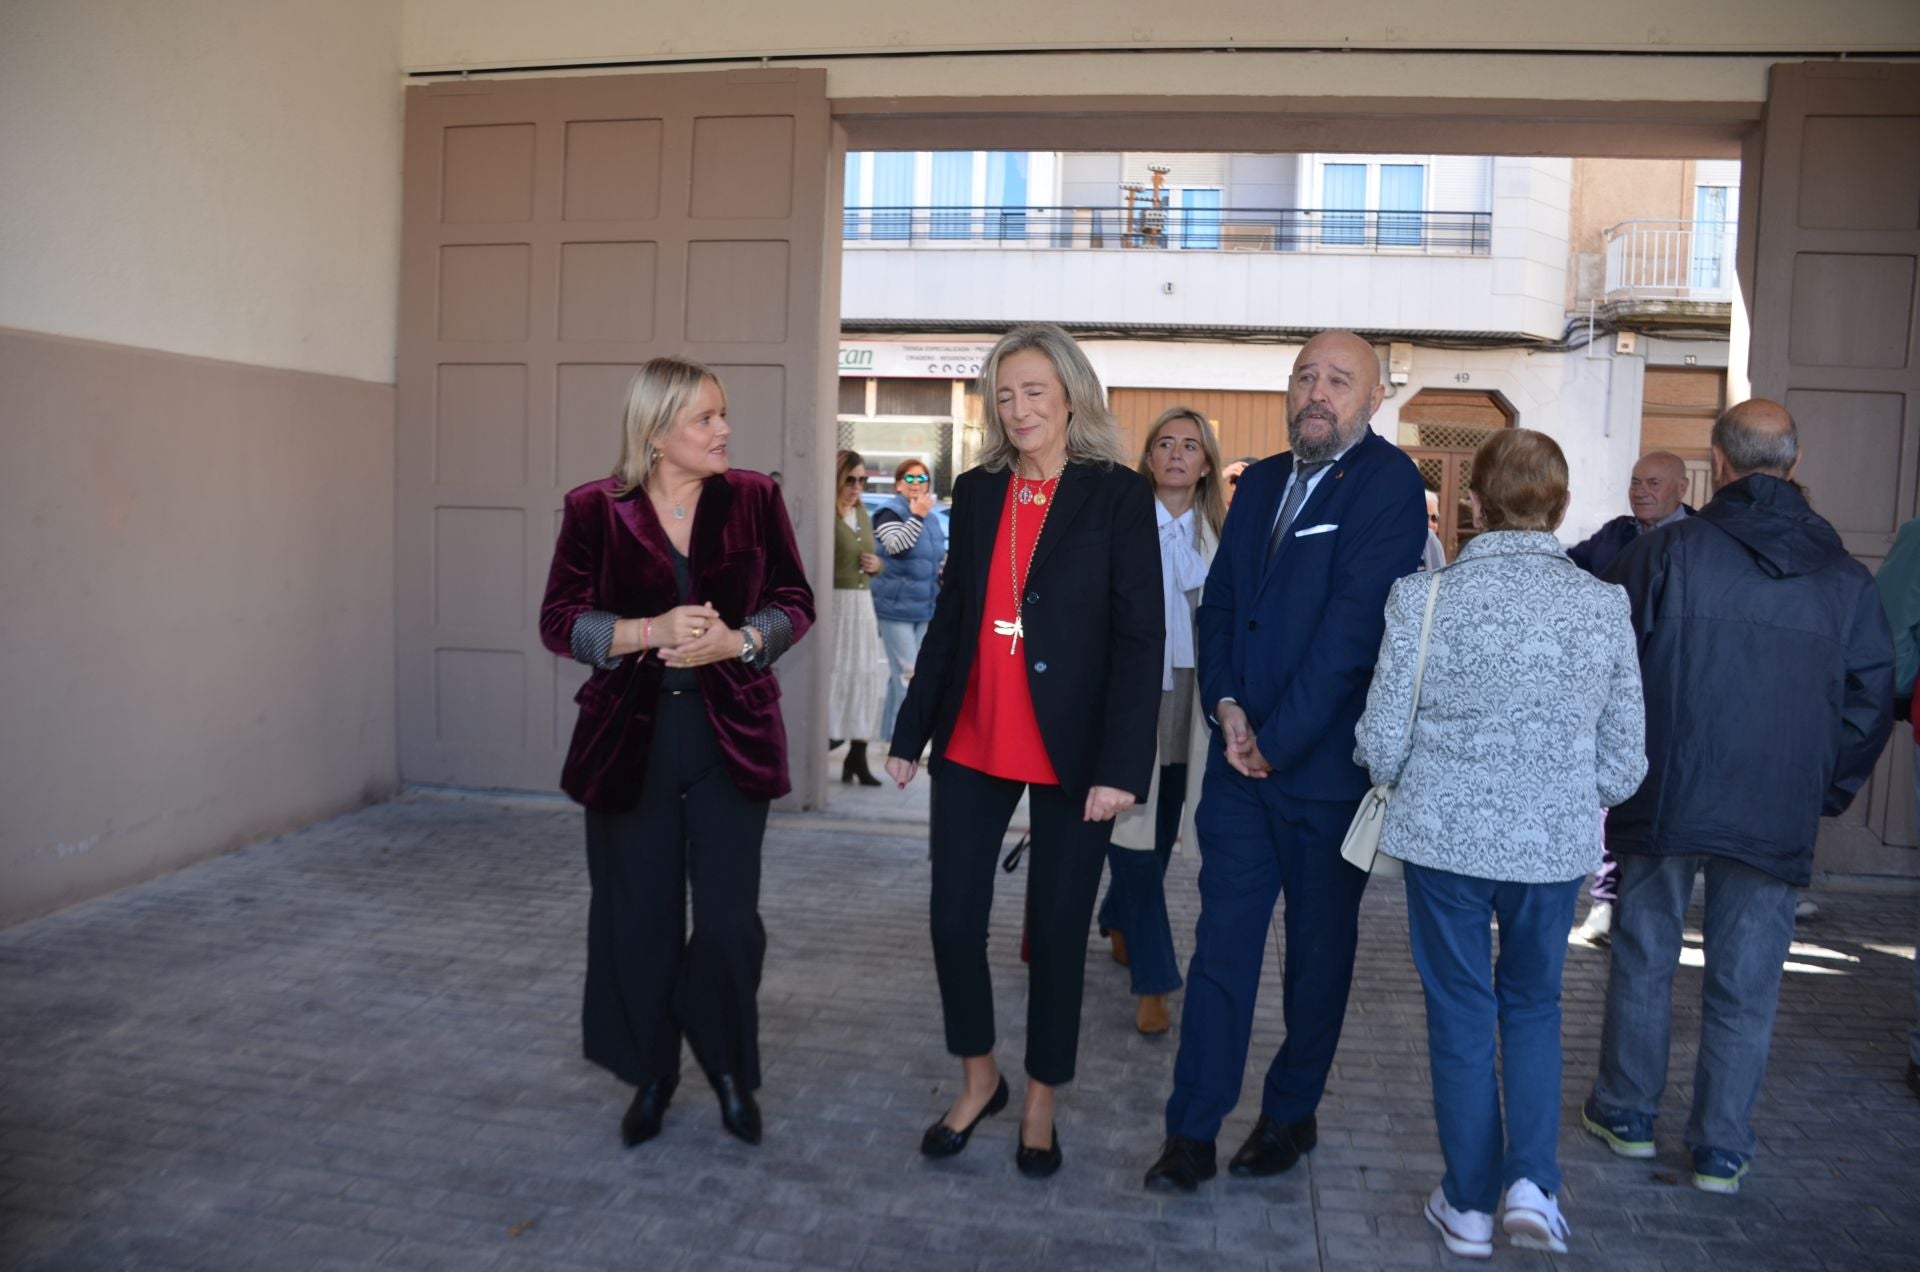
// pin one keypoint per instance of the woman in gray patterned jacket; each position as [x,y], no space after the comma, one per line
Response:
[1530,721]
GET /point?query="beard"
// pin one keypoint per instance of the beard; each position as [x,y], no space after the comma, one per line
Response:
[1338,437]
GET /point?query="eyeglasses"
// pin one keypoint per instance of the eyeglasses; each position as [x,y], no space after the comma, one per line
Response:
[916,479]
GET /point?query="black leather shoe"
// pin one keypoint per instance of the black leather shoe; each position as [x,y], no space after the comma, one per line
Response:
[642,1121]
[942,1140]
[1274,1147]
[1038,1163]
[738,1112]
[1184,1164]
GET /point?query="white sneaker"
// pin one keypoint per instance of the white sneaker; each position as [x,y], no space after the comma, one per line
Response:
[1533,1220]
[1598,929]
[1467,1233]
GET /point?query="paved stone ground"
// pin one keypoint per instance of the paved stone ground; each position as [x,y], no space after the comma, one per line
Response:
[357,1046]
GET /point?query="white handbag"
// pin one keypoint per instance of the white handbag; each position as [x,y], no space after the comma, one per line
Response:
[1361,847]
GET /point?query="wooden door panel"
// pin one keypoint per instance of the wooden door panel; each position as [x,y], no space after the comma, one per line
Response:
[557,233]
[1833,286]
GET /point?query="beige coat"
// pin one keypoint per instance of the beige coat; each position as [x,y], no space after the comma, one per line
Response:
[1133,829]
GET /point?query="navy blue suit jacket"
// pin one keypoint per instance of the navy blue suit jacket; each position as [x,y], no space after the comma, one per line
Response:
[1295,643]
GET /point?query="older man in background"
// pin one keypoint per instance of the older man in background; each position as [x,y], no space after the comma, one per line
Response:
[1654,495]
[1768,670]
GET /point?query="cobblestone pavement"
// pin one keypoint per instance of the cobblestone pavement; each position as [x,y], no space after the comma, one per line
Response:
[357,1046]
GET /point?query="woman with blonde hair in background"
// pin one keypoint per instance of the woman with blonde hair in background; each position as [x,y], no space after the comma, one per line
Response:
[677,581]
[1040,675]
[859,685]
[1182,460]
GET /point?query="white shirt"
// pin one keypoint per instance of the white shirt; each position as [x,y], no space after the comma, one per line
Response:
[1182,569]
[1312,483]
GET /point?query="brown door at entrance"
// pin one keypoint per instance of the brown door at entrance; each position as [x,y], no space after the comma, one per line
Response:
[1834,337]
[558,232]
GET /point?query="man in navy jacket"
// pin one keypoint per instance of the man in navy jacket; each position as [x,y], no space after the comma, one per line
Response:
[1290,624]
[1769,678]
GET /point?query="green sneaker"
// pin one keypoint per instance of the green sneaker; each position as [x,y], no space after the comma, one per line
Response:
[1715,1170]
[1628,1134]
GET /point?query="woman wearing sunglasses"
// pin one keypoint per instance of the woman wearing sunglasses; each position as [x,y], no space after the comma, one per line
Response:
[912,544]
[859,667]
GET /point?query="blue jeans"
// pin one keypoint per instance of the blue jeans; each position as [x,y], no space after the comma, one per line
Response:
[1136,900]
[902,643]
[1258,844]
[1470,998]
[1747,931]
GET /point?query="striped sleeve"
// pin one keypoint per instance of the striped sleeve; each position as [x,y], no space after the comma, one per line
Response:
[592,638]
[896,535]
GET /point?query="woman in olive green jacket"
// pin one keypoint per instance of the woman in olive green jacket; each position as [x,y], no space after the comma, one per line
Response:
[859,660]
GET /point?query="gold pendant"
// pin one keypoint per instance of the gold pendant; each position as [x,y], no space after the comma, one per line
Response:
[1003,628]
[1040,499]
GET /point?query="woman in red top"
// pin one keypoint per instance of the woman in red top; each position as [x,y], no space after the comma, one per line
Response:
[1040,673]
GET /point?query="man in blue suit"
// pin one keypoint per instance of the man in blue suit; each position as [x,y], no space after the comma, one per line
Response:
[1290,625]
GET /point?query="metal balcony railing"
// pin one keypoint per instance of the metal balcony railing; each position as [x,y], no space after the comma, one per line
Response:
[1174,229]
[1671,260]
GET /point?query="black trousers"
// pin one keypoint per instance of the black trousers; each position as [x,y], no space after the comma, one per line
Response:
[971,811]
[647,983]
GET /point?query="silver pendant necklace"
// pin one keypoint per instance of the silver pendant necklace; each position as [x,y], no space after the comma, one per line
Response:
[679,512]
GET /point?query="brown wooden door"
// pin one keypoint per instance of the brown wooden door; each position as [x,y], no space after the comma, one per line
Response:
[1834,337]
[558,232]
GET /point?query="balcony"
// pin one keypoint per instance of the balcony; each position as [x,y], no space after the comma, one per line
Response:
[1172,229]
[1673,272]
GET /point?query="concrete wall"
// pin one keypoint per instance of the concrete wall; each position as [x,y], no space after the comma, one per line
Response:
[455,33]
[196,495]
[1609,191]
[211,177]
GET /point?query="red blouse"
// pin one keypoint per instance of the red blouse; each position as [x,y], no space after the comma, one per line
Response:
[997,732]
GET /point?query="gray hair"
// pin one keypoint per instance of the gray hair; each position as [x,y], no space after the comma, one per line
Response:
[1092,434]
[1756,450]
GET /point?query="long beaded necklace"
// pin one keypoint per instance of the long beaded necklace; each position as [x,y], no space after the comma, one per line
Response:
[1024,494]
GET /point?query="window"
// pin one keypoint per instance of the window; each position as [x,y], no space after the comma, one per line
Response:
[851,198]
[1715,212]
[1007,191]
[953,189]
[892,194]
[1343,200]
[1200,218]
[1403,199]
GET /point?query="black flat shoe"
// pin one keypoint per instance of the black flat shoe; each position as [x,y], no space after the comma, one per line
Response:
[738,1112]
[1038,1163]
[942,1140]
[642,1120]
[1274,1147]
[1184,1164]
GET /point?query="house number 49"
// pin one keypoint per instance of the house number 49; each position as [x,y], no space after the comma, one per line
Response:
[1462,377]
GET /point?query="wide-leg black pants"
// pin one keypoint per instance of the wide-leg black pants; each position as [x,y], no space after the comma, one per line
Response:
[647,983]
[971,811]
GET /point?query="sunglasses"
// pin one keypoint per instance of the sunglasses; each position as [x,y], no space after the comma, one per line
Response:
[916,479]
[852,481]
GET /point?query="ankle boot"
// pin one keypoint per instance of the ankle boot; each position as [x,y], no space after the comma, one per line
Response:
[855,769]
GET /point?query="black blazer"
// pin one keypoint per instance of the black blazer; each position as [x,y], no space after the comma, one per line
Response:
[1094,620]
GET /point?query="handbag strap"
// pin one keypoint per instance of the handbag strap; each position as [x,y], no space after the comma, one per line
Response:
[1419,672]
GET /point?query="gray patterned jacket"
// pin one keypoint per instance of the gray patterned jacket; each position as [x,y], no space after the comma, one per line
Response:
[1531,717]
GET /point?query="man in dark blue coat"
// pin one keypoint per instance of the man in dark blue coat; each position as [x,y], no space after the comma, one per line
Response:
[1654,494]
[1768,669]
[1290,624]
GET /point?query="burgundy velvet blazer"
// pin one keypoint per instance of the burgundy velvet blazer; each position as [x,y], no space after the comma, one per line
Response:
[613,555]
